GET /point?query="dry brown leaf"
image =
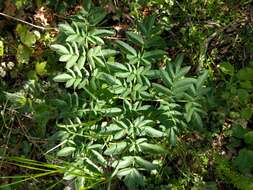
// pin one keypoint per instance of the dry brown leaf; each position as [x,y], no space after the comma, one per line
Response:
[44,16]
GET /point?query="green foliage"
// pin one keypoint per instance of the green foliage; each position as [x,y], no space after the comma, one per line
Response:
[20,3]
[224,170]
[248,137]
[27,39]
[121,106]
[1,48]
[241,162]
[105,107]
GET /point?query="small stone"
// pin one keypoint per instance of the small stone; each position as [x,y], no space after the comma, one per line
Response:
[2,72]
[10,65]
[3,64]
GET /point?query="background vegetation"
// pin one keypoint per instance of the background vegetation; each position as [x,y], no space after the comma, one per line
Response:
[109,94]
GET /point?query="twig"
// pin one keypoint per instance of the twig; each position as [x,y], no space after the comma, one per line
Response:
[25,22]
[114,38]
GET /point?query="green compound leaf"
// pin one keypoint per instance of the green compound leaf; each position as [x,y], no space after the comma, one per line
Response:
[62,78]
[116,148]
[134,179]
[60,49]
[127,48]
[135,38]
[153,148]
[66,151]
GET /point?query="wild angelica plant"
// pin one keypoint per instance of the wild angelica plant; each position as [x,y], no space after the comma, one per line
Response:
[125,109]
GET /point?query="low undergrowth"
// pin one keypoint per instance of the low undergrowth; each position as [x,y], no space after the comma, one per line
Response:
[126,95]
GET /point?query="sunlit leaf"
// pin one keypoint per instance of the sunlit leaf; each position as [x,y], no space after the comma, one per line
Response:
[115,148]
[125,47]
[62,77]
[66,151]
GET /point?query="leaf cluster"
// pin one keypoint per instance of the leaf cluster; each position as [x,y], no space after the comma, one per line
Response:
[129,102]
